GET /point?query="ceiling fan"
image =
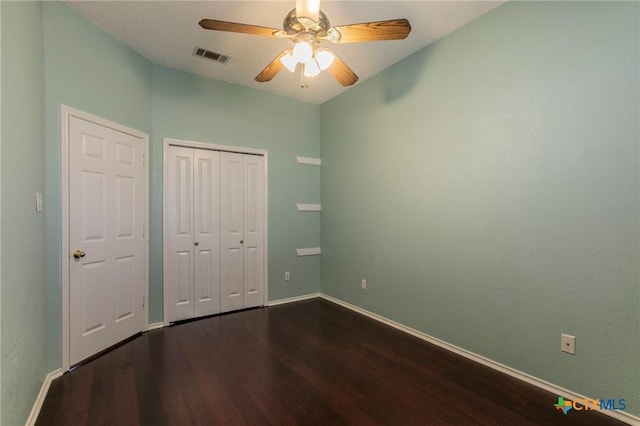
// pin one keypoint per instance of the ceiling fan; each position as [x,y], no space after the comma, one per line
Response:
[307,26]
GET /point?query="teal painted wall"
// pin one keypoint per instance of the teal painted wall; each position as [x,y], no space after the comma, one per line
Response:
[0,211]
[87,69]
[23,332]
[487,187]
[189,107]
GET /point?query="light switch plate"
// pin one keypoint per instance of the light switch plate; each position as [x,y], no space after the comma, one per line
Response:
[38,201]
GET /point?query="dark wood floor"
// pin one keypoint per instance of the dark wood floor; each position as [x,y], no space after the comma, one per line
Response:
[304,363]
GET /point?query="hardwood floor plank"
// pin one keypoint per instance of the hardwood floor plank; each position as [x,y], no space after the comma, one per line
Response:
[206,361]
[125,407]
[71,405]
[310,362]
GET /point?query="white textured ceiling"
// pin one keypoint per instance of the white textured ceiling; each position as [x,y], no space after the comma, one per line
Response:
[167,32]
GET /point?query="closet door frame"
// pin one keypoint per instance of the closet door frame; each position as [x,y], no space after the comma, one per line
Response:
[165,249]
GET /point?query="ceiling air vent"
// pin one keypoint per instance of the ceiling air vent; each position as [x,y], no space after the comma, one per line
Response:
[218,57]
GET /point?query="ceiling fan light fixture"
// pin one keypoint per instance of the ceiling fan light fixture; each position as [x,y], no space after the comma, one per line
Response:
[325,58]
[307,26]
[289,61]
[302,52]
[311,69]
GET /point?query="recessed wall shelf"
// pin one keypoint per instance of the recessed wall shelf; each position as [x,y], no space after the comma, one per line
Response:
[309,160]
[312,251]
[309,207]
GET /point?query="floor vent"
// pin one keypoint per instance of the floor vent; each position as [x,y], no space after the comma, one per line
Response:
[218,57]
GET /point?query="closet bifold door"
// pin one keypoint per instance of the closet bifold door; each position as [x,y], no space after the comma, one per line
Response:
[206,208]
[231,230]
[253,231]
[241,230]
[193,233]
[180,232]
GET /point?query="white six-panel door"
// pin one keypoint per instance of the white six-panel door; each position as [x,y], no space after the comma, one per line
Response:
[106,220]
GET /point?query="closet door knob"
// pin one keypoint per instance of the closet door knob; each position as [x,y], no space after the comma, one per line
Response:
[196,243]
[241,241]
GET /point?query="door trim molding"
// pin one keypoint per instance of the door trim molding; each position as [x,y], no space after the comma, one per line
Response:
[66,113]
[166,142]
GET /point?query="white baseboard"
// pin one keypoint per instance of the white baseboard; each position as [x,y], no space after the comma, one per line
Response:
[293,299]
[543,384]
[155,326]
[37,406]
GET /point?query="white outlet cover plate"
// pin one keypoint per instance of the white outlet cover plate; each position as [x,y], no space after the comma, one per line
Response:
[568,343]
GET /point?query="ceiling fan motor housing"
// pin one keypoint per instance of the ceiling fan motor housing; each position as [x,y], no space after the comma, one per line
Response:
[293,25]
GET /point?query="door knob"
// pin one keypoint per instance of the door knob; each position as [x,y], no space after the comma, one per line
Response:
[78,254]
[241,241]
[196,243]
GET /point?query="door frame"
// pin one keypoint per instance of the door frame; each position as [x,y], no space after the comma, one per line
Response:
[66,113]
[165,249]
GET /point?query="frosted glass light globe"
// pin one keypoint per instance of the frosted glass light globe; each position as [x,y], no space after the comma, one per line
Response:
[289,61]
[303,52]
[311,69]
[325,58]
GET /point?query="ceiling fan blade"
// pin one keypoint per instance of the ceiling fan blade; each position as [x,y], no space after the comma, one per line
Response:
[341,72]
[233,27]
[393,29]
[272,69]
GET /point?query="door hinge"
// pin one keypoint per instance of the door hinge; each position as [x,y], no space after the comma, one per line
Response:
[144,160]
[143,301]
[143,230]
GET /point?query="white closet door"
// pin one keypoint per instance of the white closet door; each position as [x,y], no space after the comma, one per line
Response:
[231,230]
[215,232]
[253,230]
[180,232]
[206,232]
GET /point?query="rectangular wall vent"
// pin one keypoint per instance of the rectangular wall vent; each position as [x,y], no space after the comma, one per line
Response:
[218,57]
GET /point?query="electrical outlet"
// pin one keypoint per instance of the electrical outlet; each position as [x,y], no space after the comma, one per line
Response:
[287,276]
[568,343]
[363,284]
